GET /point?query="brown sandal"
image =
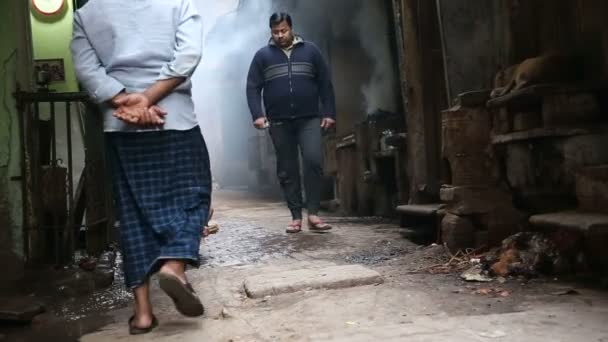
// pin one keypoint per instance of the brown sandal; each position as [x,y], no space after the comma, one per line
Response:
[185,299]
[212,227]
[293,228]
[319,226]
[133,330]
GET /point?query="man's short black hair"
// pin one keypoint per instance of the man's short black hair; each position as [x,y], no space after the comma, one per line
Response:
[280,17]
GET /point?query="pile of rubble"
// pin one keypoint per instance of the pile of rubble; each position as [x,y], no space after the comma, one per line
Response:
[530,254]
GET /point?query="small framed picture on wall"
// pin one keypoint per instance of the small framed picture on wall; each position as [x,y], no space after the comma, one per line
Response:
[54,67]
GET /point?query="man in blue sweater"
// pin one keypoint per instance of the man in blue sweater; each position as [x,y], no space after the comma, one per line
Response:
[294,79]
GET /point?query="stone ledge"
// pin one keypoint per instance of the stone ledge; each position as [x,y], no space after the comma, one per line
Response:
[424,210]
[535,93]
[571,220]
[333,277]
[19,310]
[554,132]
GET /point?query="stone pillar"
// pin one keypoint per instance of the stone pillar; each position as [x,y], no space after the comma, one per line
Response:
[479,212]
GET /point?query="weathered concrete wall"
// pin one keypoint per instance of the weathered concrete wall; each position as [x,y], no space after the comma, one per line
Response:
[14,68]
[474,37]
[51,37]
[482,37]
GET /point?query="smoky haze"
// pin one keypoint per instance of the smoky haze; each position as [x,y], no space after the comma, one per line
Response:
[364,21]
[233,33]
[235,30]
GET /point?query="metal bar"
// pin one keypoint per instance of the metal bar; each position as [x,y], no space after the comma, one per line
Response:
[446,71]
[23,111]
[70,231]
[54,137]
[68,119]
[35,157]
[52,97]
[398,23]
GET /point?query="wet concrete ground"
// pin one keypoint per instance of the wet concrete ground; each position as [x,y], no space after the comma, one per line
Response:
[252,240]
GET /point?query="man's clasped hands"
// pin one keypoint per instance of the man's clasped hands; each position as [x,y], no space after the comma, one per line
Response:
[135,108]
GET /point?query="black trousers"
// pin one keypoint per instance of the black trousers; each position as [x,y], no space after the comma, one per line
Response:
[290,137]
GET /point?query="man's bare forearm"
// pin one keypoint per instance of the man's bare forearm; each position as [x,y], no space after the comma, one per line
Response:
[162,88]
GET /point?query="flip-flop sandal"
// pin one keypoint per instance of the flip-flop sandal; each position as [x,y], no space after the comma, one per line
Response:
[183,295]
[293,228]
[133,330]
[213,227]
[318,226]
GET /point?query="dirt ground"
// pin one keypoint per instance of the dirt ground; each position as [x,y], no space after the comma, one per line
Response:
[411,304]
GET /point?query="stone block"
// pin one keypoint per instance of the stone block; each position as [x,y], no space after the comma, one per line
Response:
[465,129]
[467,200]
[472,169]
[482,239]
[13,266]
[19,309]
[567,109]
[520,166]
[524,121]
[457,232]
[332,277]
[501,223]
[581,151]
[596,242]
[501,121]
[592,189]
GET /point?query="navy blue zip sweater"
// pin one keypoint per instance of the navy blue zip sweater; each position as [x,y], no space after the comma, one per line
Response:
[292,86]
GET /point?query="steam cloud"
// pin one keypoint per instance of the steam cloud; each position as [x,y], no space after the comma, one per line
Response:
[235,30]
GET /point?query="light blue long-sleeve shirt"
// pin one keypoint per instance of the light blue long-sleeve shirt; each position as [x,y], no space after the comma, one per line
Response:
[128,45]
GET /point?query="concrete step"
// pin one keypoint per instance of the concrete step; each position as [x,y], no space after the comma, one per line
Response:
[19,309]
[592,188]
[583,221]
[420,210]
[592,226]
[332,277]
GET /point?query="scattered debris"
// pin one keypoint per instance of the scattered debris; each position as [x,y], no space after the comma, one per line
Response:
[87,263]
[531,254]
[476,274]
[225,314]
[567,292]
[446,262]
[492,292]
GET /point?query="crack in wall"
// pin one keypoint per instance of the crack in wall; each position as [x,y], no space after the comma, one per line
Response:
[6,94]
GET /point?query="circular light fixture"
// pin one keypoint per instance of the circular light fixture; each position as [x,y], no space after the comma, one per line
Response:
[48,7]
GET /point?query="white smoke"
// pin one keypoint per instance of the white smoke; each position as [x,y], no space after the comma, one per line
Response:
[367,21]
[371,25]
[234,31]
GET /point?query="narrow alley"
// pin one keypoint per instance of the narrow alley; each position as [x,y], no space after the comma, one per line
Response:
[450,156]
[409,303]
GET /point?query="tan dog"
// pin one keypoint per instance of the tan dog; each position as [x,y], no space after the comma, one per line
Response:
[551,67]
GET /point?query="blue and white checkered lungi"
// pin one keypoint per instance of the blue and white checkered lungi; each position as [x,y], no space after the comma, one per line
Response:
[162,189]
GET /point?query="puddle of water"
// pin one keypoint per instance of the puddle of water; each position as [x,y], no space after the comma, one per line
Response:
[240,242]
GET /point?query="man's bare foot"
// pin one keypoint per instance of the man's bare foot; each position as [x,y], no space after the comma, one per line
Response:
[175,268]
[142,321]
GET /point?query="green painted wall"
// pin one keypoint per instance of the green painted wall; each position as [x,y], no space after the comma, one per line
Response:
[14,68]
[51,39]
